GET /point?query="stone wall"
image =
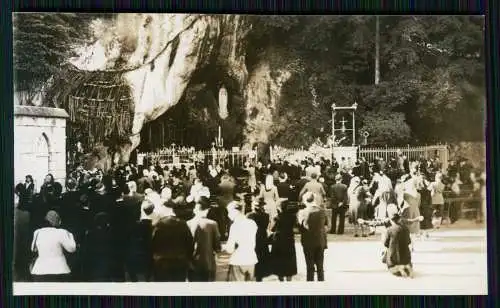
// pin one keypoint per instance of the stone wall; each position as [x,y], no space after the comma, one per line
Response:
[39,143]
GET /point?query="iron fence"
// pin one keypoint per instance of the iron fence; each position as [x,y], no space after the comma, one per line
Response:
[228,158]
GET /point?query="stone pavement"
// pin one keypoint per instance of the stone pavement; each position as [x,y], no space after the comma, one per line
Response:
[451,261]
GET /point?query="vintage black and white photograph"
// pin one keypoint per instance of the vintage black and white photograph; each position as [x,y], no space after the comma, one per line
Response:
[185,154]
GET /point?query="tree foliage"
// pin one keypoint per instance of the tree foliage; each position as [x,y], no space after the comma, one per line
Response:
[431,72]
[42,42]
[432,76]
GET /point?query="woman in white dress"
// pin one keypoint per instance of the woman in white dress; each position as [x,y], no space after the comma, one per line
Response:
[269,192]
[50,242]
[411,205]
[252,178]
[437,188]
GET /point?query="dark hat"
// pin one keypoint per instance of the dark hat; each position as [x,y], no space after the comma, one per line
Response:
[204,202]
[149,207]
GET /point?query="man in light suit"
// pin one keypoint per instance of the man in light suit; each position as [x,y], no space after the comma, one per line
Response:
[241,244]
[315,187]
[206,241]
[313,224]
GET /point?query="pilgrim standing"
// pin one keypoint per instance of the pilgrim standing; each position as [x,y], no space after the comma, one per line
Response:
[357,205]
[315,187]
[269,193]
[22,237]
[173,247]
[411,205]
[261,219]
[437,188]
[339,202]
[283,255]
[50,242]
[206,242]
[241,245]
[313,221]
[98,254]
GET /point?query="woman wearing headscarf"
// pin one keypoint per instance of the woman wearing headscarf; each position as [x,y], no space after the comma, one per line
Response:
[261,218]
[49,243]
[397,241]
[283,255]
[411,205]
[358,197]
[26,199]
[252,178]
[269,194]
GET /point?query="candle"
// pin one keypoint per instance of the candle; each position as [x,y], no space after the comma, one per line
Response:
[219,133]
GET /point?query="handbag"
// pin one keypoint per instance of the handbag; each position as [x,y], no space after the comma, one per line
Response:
[34,254]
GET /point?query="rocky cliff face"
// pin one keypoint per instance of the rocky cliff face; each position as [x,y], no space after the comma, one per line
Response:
[166,58]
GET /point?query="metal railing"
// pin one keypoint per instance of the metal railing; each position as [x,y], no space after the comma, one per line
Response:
[230,158]
[370,153]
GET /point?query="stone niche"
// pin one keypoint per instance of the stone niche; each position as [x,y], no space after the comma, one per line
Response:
[39,143]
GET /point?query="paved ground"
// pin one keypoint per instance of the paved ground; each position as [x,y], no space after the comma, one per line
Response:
[451,261]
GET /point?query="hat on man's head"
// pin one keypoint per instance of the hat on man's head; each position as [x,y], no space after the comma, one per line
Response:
[338,177]
[148,207]
[204,202]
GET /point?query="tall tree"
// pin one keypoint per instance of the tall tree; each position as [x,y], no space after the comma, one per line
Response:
[42,42]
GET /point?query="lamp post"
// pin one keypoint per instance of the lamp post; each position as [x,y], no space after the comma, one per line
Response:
[333,123]
[354,107]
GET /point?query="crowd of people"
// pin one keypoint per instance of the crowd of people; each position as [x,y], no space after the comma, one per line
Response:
[158,223]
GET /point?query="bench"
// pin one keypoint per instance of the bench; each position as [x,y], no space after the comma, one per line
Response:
[468,204]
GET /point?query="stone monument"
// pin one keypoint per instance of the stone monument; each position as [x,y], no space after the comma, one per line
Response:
[39,143]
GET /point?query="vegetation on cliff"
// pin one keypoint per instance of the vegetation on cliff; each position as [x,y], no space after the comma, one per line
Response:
[431,86]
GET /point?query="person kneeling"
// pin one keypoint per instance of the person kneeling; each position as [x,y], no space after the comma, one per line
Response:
[397,241]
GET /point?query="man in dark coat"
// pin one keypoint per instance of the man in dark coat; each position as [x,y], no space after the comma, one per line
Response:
[261,219]
[135,259]
[207,243]
[284,190]
[22,239]
[338,196]
[172,246]
[313,222]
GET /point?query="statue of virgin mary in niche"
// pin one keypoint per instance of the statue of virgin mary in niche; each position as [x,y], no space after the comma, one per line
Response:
[223,113]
